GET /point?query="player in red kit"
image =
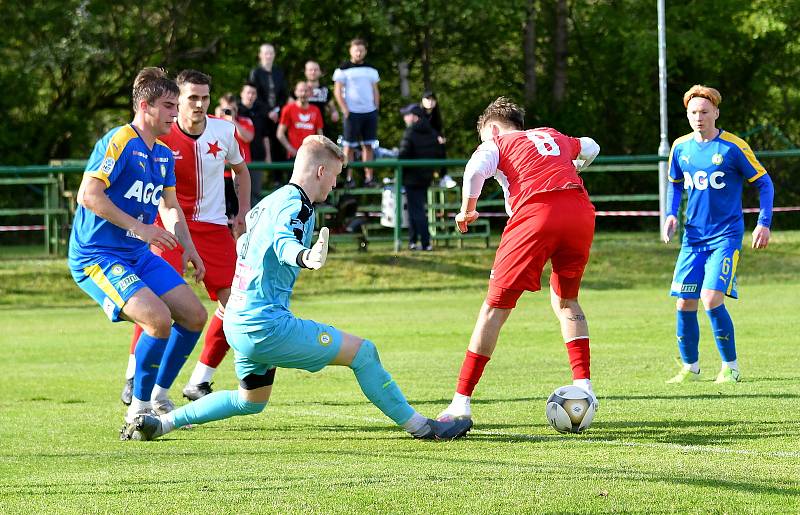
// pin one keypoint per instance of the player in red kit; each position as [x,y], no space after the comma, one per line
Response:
[550,218]
[201,146]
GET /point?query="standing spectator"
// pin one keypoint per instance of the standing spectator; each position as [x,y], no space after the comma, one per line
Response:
[228,110]
[251,107]
[298,120]
[431,107]
[420,141]
[321,97]
[273,92]
[356,91]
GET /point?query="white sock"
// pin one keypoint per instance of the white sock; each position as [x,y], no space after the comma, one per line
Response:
[202,374]
[159,393]
[137,406]
[417,425]
[460,400]
[692,367]
[167,423]
[131,370]
[733,365]
[584,384]
[459,406]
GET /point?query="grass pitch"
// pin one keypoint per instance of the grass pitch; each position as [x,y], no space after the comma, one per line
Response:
[320,447]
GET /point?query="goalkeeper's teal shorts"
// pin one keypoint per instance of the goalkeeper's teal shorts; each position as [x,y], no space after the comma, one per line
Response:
[289,342]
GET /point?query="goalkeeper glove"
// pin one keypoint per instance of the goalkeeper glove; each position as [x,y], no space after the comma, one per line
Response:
[314,258]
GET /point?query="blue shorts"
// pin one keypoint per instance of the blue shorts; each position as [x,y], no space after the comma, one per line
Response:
[713,269]
[111,281]
[361,129]
[290,343]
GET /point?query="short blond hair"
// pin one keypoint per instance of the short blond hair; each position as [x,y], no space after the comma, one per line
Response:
[698,90]
[320,148]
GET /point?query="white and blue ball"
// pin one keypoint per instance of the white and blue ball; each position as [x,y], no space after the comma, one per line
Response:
[570,409]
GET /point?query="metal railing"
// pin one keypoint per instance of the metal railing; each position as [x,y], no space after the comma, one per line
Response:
[54,209]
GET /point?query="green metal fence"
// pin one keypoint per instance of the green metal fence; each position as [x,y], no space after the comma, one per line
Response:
[55,198]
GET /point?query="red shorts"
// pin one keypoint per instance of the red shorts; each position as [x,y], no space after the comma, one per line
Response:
[556,225]
[217,249]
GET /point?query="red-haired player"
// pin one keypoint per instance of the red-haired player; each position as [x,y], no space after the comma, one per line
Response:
[551,217]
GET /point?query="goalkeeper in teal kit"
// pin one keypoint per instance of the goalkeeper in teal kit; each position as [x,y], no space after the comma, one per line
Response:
[265,334]
[711,165]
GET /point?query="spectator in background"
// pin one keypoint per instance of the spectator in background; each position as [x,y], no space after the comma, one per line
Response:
[298,120]
[419,141]
[320,96]
[251,107]
[228,110]
[356,92]
[431,107]
[273,92]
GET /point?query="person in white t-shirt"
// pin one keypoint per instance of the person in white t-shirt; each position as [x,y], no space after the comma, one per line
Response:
[356,92]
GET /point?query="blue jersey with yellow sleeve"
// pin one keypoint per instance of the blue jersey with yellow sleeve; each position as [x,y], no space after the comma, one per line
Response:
[712,174]
[135,177]
[279,229]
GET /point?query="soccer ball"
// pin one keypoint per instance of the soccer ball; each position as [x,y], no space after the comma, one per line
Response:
[570,409]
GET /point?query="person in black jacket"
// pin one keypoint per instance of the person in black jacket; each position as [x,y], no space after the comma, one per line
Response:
[420,141]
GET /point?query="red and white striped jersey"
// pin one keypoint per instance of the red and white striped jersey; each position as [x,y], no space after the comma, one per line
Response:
[200,168]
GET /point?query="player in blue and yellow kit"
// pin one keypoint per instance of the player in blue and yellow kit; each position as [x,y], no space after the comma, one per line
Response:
[130,178]
[711,165]
[265,334]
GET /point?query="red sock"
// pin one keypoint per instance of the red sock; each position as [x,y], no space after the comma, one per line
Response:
[137,332]
[578,351]
[215,346]
[471,372]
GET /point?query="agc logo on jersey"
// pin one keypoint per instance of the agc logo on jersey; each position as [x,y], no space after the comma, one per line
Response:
[701,180]
[145,193]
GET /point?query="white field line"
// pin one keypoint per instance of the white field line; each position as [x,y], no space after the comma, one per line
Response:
[699,449]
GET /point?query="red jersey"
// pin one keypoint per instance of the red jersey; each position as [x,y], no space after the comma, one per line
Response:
[525,163]
[300,122]
[199,169]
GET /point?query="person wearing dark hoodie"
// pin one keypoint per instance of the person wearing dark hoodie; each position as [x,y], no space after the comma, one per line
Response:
[420,141]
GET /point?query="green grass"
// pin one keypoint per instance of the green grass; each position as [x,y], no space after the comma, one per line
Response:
[320,447]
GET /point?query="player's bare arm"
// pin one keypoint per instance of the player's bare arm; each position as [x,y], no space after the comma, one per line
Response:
[92,196]
[376,95]
[173,219]
[241,174]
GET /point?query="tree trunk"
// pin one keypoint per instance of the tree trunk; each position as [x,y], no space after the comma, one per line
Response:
[426,58]
[529,51]
[560,53]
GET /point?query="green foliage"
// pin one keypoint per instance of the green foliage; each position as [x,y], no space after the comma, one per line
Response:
[67,67]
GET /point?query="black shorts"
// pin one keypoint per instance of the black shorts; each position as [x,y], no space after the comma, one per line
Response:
[361,129]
